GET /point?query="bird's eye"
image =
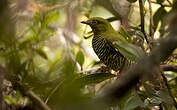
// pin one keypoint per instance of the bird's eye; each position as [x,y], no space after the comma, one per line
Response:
[94,22]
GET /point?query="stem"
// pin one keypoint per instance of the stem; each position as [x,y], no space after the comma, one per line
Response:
[169,3]
[37,100]
[142,20]
[1,84]
[169,67]
[151,21]
[53,91]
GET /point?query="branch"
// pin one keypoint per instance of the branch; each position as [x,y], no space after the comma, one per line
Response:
[142,20]
[169,3]
[2,74]
[53,91]
[151,21]
[6,33]
[25,90]
[169,67]
[37,100]
[29,93]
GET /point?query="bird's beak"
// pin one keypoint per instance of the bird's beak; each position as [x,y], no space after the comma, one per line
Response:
[85,22]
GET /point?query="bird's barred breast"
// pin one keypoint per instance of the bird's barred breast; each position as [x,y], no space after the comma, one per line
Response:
[107,53]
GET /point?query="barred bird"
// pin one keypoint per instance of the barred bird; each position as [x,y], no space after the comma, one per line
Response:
[102,43]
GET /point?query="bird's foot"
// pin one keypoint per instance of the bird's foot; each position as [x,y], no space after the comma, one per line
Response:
[105,68]
[117,73]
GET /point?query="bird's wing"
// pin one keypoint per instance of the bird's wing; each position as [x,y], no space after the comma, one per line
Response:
[114,36]
[128,50]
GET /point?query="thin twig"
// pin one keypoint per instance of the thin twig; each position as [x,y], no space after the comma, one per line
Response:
[26,91]
[37,100]
[53,91]
[142,20]
[169,3]
[169,67]
[2,72]
[151,21]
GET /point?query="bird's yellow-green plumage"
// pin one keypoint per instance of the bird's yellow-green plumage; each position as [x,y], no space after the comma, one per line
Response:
[102,43]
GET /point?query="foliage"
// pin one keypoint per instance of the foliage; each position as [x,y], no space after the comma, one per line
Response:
[50,57]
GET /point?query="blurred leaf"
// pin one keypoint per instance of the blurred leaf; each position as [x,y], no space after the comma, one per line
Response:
[154,101]
[9,99]
[41,53]
[140,35]
[133,102]
[48,18]
[160,1]
[132,1]
[80,58]
[95,78]
[149,89]
[68,67]
[158,16]
[164,96]
[130,51]
[36,16]
[150,102]
[123,100]
[25,43]
[125,34]
[107,4]
[14,61]
[53,67]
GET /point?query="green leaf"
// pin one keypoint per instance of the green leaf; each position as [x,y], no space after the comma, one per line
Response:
[14,61]
[128,50]
[133,102]
[9,99]
[80,58]
[25,43]
[95,78]
[125,34]
[140,35]
[132,1]
[48,18]
[158,16]
[164,96]
[154,101]
[41,53]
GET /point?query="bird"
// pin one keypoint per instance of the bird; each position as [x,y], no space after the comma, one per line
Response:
[104,36]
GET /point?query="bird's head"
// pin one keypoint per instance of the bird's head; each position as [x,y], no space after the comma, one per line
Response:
[98,25]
